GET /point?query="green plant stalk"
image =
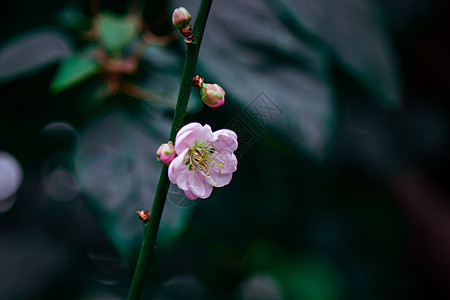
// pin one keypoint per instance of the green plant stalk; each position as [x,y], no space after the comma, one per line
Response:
[151,228]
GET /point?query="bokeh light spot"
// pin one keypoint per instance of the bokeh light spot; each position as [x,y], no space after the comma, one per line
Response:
[10,175]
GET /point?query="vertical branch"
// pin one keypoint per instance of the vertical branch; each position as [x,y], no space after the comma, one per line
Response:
[151,228]
[95,10]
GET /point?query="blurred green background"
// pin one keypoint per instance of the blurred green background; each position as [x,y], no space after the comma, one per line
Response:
[342,113]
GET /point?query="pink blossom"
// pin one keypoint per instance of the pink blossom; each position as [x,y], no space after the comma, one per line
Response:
[205,159]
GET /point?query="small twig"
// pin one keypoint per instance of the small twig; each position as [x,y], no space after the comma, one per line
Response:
[139,93]
[95,11]
[153,39]
[95,8]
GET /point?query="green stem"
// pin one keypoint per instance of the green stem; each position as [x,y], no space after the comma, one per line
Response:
[151,229]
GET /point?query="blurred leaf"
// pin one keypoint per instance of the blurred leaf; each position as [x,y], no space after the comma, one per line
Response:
[31,52]
[116,167]
[74,70]
[281,81]
[355,32]
[287,50]
[116,32]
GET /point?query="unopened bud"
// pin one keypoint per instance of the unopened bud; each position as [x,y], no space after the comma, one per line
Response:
[212,94]
[166,153]
[181,17]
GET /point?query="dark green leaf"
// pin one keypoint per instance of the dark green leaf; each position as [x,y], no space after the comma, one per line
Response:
[74,70]
[278,79]
[117,169]
[355,33]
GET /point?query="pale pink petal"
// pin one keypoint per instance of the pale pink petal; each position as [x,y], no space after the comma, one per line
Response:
[226,132]
[221,176]
[205,135]
[179,171]
[230,163]
[194,132]
[189,127]
[185,141]
[199,186]
[186,136]
[219,179]
[225,141]
[190,195]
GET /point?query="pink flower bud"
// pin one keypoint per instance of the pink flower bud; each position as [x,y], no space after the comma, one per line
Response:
[166,153]
[212,94]
[181,17]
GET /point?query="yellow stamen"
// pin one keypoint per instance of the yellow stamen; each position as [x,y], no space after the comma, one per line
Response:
[199,158]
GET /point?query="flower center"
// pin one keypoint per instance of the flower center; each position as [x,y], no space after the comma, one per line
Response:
[202,157]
